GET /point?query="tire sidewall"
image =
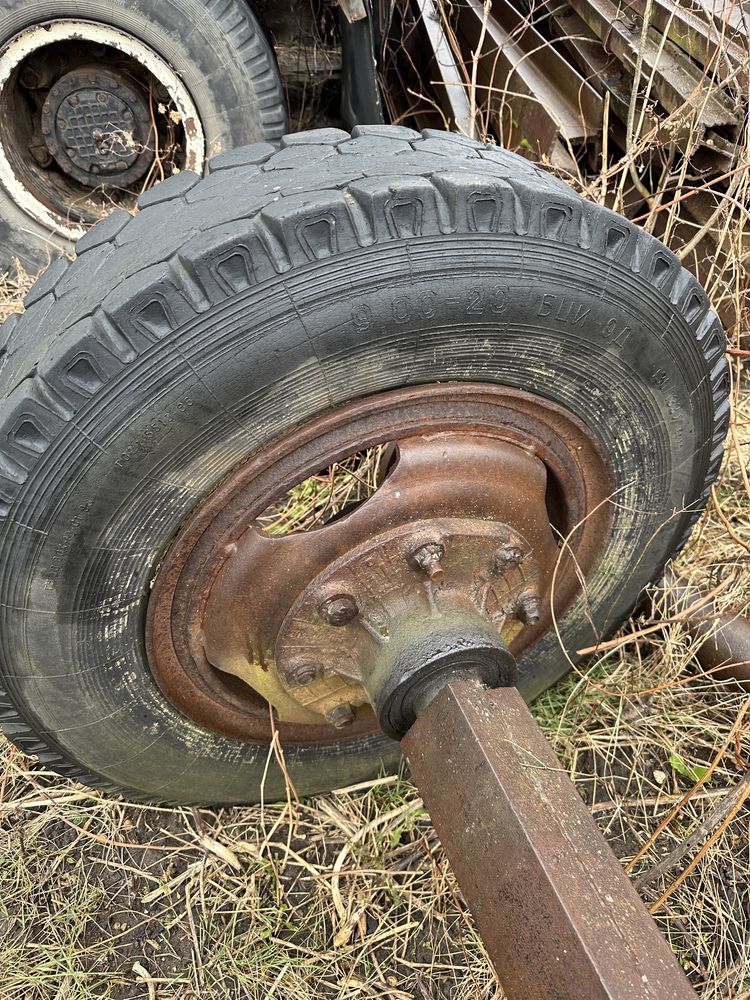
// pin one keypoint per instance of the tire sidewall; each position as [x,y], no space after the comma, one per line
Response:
[579,330]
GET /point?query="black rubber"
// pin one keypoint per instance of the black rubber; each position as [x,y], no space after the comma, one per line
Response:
[234,307]
[216,47]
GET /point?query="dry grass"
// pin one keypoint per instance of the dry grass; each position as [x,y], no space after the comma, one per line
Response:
[350,895]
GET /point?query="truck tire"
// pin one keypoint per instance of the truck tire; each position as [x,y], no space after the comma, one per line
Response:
[168,82]
[233,309]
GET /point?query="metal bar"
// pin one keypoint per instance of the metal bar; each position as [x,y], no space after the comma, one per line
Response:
[520,71]
[574,89]
[723,638]
[677,81]
[452,83]
[602,69]
[558,916]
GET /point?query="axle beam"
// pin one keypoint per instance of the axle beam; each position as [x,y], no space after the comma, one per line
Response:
[559,918]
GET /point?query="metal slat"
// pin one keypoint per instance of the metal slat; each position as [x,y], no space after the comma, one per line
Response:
[697,35]
[523,78]
[452,82]
[677,79]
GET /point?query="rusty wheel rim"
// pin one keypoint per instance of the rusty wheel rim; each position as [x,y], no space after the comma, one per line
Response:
[198,608]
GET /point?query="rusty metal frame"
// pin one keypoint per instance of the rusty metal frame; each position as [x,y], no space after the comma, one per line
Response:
[559,918]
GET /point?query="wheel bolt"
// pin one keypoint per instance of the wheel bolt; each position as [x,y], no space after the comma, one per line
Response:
[305,673]
[528,607]
[339,610]
[507,557]
[340,716]
[41,156]
[427,558]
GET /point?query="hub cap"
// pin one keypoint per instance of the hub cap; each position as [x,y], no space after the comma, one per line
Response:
[97,128]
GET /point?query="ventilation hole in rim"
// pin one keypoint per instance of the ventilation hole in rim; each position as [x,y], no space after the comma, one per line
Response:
[329,494]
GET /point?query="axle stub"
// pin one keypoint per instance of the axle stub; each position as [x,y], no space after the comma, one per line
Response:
[428,657]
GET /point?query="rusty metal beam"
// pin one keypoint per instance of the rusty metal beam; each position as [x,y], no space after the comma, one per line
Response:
[554,908]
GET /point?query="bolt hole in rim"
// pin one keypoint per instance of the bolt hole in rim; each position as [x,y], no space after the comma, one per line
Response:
[202,559]
[46,66]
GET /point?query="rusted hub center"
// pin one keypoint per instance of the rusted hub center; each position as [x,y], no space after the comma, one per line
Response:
[423,596]
[452,556]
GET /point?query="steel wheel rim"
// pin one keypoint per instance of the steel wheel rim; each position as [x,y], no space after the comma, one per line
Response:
[194,559]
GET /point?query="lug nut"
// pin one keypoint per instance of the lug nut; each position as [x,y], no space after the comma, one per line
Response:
[507,557]
[41,155]
[340,716]
[427,558]
[528,607]
[339,610]
[305,673]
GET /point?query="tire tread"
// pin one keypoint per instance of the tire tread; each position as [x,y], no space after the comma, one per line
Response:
[318,176]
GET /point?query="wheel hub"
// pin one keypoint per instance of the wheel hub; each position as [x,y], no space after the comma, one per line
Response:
[96,126]
[425,595]
[455,557]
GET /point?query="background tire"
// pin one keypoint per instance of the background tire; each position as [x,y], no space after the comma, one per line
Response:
[233,308]
[216,49]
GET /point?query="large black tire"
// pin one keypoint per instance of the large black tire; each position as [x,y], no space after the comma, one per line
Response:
[216,47]
[233,308]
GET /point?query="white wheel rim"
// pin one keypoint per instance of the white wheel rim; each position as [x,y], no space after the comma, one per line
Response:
[40,36]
